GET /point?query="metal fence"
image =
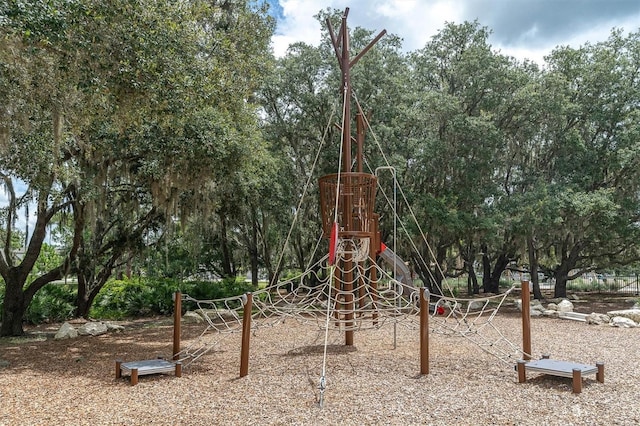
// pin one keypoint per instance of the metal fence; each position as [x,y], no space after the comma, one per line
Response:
[626,285]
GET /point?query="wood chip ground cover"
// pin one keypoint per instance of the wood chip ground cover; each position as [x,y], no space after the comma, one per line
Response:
[72,382]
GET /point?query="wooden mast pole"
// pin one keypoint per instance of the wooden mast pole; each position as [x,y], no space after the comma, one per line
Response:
[346,168]
[350,227]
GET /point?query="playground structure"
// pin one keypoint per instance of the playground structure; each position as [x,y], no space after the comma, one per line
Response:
[348,289]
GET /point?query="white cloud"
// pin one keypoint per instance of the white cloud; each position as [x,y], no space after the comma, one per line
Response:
[413,20]
[416,21]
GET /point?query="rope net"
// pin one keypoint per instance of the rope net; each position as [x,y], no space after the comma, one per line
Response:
[339,298]
[335,297]
[472,319]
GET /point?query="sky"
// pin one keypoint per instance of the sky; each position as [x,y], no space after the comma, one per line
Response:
[525,29]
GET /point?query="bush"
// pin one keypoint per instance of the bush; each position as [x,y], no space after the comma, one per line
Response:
[1,297]
[52,303]
[138,297]
[134,298]
[206,290]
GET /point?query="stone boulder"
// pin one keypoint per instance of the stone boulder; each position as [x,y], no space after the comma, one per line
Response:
[535,307]
[623,322]
[225,314]
[475,305]
[114,327]
[551,313]
[66,331]
[565,306]
[598,319]
[191,317]
[632,314]
[92,329]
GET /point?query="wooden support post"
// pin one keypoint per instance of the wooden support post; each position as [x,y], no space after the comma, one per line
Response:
[526,319]
[577,380]
[178,369]
[134,376]
[246,335]
[177,313]
[522,372]
[424,332]
[118,370]
[600,373]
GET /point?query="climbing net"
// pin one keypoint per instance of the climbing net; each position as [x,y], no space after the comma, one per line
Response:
[324,297]
[472,319]
[334,298]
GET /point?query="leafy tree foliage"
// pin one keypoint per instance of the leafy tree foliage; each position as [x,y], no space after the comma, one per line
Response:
[115,115]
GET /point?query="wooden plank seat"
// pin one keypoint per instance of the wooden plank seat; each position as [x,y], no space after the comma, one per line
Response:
[559,368]
[149,366]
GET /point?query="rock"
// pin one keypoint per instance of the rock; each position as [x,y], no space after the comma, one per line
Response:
[574,297]
[552,307]
[114,327]
[92,329]
[535,307]
[551,313]
[623,322]
[598,319]
[66,331]
[191,317]
[225,314]
[565,306]
[632,314]
[475,305]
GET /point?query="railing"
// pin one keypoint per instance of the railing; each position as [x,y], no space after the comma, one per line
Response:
[627,285]
[606,284]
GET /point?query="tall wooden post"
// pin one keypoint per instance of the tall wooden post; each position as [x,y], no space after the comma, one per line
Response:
[346,87]
[246,335]
[354,220]
[525,298]
[177,313]
[424,332]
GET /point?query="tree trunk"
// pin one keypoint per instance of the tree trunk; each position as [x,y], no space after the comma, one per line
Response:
[472,279]
[82,299]
[491,278]
[561,277]
[253,252]
[227,268]
[13,310]
[84,305]
[486,269]
[533,268]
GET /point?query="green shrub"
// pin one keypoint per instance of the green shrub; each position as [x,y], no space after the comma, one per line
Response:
[1,297]
[207,290]
[134,298]
[52,303]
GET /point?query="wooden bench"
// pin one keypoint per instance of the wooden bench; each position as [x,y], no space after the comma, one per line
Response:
[555,367]
[149,366]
